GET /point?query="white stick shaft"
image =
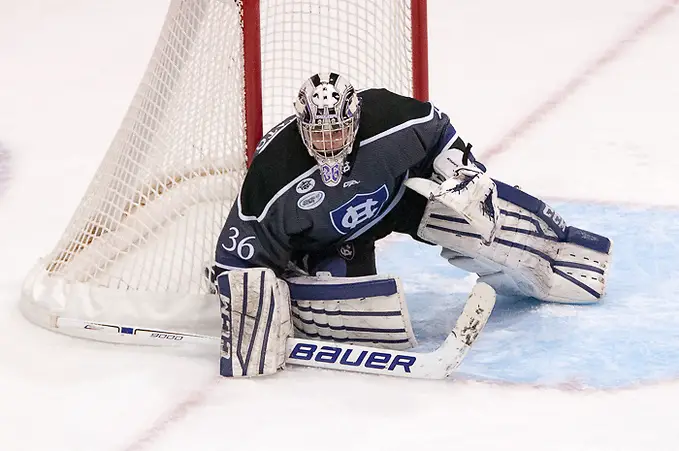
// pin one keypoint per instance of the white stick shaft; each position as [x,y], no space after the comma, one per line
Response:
[437,364]
[329,355]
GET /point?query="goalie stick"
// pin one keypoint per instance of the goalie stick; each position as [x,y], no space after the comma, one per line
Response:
[437,364]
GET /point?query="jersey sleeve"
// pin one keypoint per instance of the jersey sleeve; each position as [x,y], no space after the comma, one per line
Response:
[254,233]
[248,243]
[262,225]
[439,135]
[421,129]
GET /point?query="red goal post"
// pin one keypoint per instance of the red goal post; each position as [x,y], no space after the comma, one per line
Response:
[252,43]
[222,72]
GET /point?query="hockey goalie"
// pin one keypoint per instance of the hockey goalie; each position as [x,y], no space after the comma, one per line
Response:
[296,256]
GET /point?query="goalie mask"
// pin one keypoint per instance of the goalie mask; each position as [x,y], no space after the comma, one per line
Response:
[327,110]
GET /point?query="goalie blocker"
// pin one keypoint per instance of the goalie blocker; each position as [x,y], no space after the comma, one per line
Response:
[259,316]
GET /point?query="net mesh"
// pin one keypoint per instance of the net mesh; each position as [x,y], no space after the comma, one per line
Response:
[150,218]
[367,41]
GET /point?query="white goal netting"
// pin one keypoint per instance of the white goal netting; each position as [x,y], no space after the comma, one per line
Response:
[135,250]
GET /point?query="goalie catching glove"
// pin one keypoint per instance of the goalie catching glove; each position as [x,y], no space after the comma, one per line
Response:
[465,189]
[515,242]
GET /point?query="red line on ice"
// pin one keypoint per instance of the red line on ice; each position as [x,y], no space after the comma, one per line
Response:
[181,410]
[177,413]
[559,97]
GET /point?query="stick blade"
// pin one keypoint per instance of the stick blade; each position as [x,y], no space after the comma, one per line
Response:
[476,313]
[469,324]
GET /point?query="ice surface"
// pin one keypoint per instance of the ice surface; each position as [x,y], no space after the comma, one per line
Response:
[575,101]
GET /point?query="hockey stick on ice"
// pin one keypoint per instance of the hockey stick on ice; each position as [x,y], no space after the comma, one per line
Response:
[437,364]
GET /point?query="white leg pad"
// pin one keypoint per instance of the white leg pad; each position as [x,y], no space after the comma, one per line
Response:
[255,311]
[531,255]
[368,310]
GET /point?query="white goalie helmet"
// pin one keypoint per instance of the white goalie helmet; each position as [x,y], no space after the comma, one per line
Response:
[328,110]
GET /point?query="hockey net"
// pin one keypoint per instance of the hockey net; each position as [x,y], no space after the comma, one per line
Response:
[222,71]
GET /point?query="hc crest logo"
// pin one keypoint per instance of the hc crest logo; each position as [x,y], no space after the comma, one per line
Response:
[360,209]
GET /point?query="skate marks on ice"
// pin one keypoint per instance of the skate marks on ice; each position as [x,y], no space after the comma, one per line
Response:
[630,338]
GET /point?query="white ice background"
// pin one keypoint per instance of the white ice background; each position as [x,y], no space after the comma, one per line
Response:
[575,101]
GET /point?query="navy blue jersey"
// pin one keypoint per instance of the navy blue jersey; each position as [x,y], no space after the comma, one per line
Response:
[284,208]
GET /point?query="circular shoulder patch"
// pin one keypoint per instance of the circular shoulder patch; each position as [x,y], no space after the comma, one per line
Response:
[306,185]
[311,200]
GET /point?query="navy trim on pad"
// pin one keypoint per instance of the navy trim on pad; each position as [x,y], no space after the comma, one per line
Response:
[324,292]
